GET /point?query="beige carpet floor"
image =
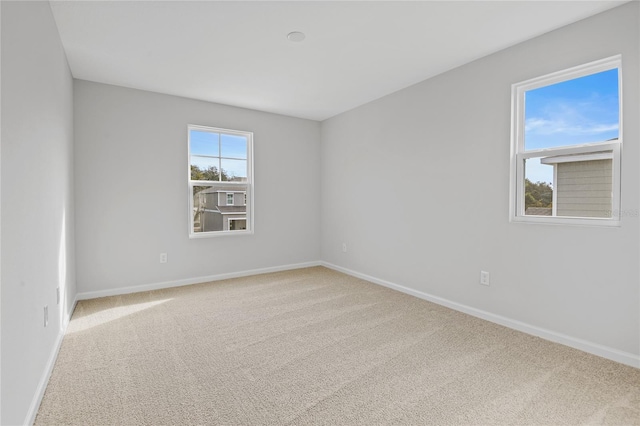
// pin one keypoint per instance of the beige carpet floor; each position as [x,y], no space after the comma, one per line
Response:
[316,347]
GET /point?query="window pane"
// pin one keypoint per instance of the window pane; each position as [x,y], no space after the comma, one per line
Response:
[206,217]
[584,188]
[573,112]
[211,213]
[538,188]
[204,143]
[233,146]
[204,168]
[234,170]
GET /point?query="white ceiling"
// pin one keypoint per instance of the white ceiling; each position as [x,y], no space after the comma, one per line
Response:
[237,53]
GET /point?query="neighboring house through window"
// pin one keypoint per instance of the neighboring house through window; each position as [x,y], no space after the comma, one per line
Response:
[566,146]
[220,169]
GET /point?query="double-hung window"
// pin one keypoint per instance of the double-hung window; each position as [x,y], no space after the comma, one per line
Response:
[566,146]
[220,169]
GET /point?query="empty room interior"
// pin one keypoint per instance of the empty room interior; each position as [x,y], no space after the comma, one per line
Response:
[320,212]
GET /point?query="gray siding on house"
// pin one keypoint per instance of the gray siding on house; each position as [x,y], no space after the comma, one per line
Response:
[211,221]
[238,199]
[238,196]
[210,204]
[209,201]
[584,188]
[211,211]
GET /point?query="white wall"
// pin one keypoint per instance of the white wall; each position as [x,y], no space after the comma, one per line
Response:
[37,202]
[131,190]
[442,147]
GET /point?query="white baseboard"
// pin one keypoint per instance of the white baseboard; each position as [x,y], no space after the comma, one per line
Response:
[44,380]
[67,318]
[189,281]
[51,362]
[583,345]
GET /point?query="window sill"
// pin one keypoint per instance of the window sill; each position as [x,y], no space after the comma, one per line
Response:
[215,234]
[570,221]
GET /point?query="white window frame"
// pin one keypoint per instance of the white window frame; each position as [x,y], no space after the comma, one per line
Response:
[249,184]
[519,154]
[233,195]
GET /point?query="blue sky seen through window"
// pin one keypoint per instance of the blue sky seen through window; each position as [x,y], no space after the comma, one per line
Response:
[233,146]
[572,112]
[205,145]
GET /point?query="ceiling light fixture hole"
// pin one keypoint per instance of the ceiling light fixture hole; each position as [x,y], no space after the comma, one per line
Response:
[296,36]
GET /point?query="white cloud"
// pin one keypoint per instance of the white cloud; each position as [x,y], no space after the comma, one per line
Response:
[536,123]
[544,126]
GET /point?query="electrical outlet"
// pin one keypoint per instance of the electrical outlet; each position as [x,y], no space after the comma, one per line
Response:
[485,278]
[46,316]
[163,257]
[344,247]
